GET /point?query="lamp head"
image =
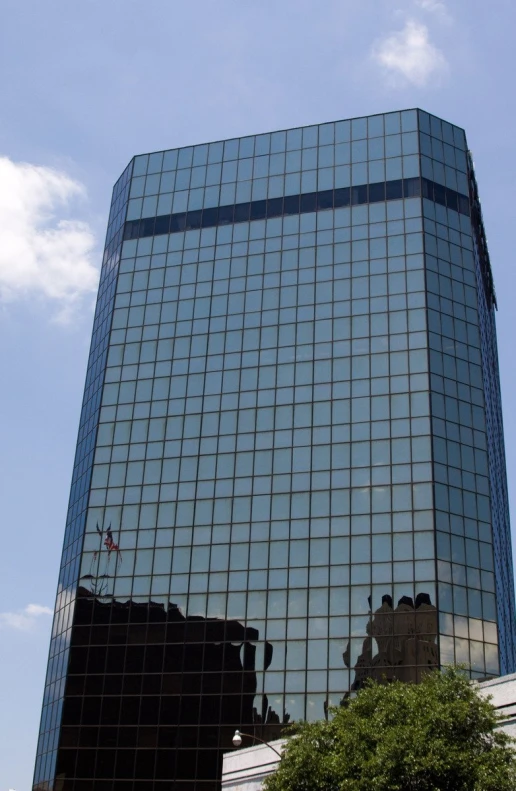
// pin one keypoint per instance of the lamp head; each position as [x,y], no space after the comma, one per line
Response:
[237,739]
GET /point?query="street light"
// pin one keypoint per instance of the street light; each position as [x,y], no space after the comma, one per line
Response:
[237,741]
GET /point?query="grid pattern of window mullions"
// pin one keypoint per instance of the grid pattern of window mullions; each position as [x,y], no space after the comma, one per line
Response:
[288,485]
[296,204]
[505,598]
[53,697]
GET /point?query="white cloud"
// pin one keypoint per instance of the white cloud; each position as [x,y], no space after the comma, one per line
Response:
[24,620]
[43,253]
[409,54]
[436,7]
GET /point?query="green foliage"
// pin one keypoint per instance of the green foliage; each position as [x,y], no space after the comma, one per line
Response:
[439,735]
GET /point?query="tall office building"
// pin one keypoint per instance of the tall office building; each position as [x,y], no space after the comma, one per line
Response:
[290,469]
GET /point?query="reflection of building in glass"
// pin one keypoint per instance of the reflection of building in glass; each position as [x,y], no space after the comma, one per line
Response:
[401,643]
[153,673]
[291,430]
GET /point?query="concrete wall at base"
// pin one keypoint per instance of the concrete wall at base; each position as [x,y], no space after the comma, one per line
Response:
[503,695]
[245,770]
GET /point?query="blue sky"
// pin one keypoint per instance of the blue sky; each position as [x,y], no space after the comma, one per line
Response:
[87,85]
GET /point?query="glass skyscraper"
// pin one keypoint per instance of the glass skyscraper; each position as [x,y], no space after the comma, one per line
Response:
[290,470]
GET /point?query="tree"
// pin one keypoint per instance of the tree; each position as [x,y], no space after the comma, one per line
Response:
[439,735]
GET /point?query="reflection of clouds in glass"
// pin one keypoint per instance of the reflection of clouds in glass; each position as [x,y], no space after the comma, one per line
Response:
[459,634]
[217,603]
[64,596]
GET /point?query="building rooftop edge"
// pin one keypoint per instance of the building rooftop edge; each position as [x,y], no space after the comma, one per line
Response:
[285,129]
[254,747]
[493,682]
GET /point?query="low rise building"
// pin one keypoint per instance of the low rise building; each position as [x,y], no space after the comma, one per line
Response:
[503,696]
[246,769]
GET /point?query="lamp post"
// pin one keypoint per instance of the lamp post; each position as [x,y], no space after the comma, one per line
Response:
[237,741]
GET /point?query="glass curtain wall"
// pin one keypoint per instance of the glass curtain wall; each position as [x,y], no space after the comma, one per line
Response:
[292,485]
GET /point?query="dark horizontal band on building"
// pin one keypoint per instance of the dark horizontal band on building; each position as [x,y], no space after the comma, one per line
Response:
[297,204]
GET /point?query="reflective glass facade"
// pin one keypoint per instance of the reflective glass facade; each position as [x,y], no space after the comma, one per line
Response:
[290,473]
